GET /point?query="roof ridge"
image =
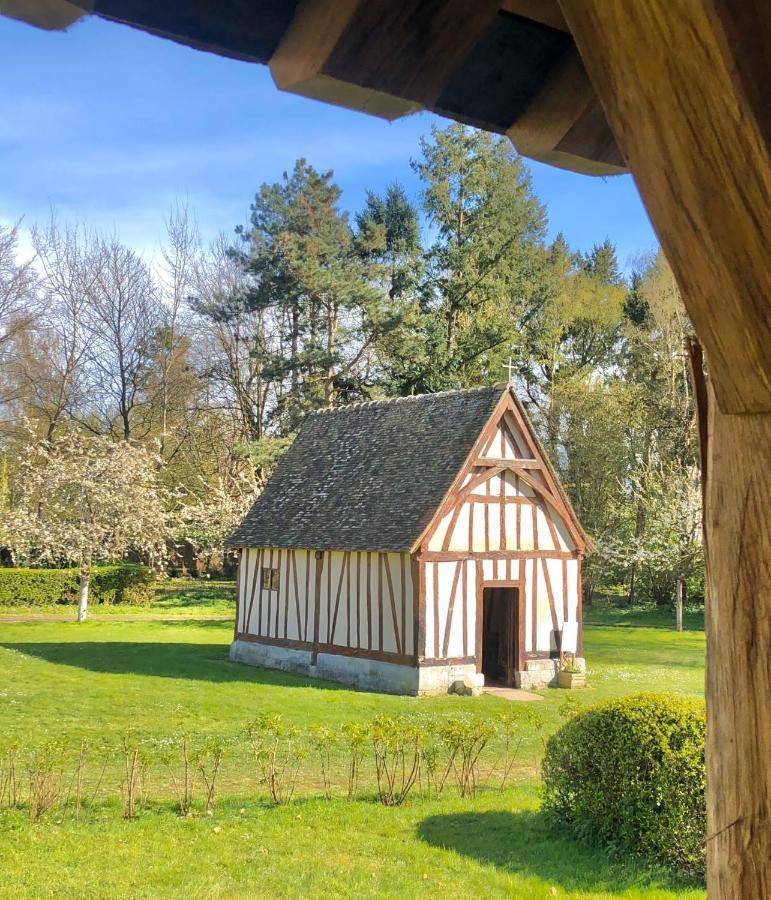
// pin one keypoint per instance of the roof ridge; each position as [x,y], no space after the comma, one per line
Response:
[386,401]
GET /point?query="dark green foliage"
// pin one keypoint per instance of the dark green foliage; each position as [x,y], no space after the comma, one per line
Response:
[315,290]
[482,270]
[388,232]
[120,583]
[630,773]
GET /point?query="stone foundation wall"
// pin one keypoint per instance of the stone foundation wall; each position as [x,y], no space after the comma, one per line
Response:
[385,677]
[541,673]
[437,679]
[367,674]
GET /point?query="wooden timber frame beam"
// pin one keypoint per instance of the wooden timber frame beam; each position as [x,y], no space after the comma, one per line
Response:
[507,66]
[684,85]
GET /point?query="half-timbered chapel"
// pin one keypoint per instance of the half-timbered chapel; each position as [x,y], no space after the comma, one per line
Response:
[402,545]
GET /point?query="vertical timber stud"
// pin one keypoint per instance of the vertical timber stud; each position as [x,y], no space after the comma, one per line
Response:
[239,598]
[580,603]
[479,614]
[317,605]
[684,85]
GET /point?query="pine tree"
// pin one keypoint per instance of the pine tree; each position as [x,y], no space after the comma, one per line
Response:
[482,267]
[308,272]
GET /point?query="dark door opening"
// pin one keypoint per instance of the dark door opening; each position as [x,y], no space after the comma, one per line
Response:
[500,611]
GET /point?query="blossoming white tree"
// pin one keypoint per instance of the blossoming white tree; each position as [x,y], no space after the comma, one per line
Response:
[87,498]
[669,499]
[207,518]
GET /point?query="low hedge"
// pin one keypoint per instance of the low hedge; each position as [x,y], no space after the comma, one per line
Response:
[120,583]
[630,773]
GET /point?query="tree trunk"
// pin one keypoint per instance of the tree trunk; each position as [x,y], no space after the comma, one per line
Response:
[85,580]
[679,603]
[738,624]
[295,349]
[639,527]
[632,580]
[329,380]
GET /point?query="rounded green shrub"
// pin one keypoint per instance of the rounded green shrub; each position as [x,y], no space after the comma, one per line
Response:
[630,773]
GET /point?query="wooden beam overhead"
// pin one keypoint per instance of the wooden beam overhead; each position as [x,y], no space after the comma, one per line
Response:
[52,15]
[249,30]
[684,84]
[547,12]
[563,117]
[512,68]
[657,66]
[385,58]
[507,66]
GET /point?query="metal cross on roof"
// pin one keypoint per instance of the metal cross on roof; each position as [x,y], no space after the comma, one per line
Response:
[510,366]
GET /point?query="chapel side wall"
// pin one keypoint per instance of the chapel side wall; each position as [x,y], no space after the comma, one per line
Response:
[366,601]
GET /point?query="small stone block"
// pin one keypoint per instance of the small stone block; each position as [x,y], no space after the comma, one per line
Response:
[464,687]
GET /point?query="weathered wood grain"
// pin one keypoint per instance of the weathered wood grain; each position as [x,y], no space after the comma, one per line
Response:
[667,74]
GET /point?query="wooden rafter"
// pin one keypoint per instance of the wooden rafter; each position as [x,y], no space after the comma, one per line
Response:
[508,463]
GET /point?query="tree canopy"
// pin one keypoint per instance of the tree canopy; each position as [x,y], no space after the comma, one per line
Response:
[208,359]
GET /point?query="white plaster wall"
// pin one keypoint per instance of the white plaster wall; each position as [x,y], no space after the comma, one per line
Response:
[524,522]
[344,574]
[501,447]
[528,566]
[439,578]
[572,574]
[540,597]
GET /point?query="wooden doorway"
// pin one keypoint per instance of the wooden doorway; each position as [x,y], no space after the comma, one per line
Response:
[500,628]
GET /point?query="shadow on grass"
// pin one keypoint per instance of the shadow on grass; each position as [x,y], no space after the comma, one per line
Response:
[523,843]
[201,662]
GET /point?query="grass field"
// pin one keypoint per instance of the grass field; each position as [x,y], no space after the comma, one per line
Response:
[602,612]
[60,681]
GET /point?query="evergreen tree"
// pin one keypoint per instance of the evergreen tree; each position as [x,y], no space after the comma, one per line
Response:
[482,267]
[389,233]
[309,274]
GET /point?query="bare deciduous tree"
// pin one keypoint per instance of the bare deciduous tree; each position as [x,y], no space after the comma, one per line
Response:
[234,342]
[123,317]
[18,285]
[176,277]
[48,363]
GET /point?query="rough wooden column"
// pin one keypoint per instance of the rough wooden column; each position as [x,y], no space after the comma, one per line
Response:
[679,81]
[739,659]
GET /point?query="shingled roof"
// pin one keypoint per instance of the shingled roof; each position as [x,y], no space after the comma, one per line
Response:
[369,476]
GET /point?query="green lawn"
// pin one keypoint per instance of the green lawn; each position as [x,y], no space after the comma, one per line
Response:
[61,681]
[602,612]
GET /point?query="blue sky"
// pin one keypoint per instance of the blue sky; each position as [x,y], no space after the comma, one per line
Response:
[109,126]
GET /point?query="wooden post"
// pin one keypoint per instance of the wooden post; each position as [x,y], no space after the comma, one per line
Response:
[738,624]
[684,87]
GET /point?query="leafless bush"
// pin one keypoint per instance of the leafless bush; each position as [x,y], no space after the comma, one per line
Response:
[45,778]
